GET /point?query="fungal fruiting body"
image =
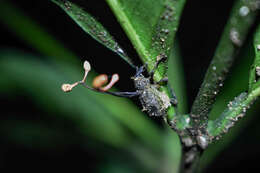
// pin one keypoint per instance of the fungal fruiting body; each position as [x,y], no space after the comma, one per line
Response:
[114,79]
[98,82]
[102,79]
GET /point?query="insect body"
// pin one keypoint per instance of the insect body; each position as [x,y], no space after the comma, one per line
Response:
[153,101]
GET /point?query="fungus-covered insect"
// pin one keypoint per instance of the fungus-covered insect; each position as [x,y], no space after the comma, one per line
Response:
[152,99]
[155,102]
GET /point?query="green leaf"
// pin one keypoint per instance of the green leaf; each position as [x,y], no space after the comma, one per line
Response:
[241,19]
[235,110]
[150,25]
[91,26]
[254,81]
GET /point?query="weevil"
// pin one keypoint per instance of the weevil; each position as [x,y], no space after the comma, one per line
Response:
[154,101]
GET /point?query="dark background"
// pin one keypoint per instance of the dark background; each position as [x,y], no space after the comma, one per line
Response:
[200,29]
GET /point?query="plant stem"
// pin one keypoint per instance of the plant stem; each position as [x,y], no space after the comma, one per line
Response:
[190,159]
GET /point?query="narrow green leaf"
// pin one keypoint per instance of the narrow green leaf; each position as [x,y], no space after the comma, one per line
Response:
[235,110]
[91,26]
[150,25]
[254,81]
[241,19]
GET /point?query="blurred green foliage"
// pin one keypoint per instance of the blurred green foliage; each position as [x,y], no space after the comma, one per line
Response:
[95,117]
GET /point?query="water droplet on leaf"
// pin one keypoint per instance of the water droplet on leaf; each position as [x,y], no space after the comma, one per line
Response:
[258,47]
[243,11]
[234,37]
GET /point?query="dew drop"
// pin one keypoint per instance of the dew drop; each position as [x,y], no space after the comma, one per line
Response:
[229,125]
[244,110]
[187,120]
[119,50]
[234,37]
[257,69]
[166,31]
[258,47]
[162,39]
[243,11]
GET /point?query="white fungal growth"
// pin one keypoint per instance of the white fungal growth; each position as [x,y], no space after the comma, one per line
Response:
[243,11]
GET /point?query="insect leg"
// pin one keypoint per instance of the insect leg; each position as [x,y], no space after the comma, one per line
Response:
[140,70]
[157,63]
[173,98]
[124,94]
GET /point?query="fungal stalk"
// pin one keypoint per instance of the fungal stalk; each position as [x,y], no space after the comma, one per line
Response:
[98,81]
